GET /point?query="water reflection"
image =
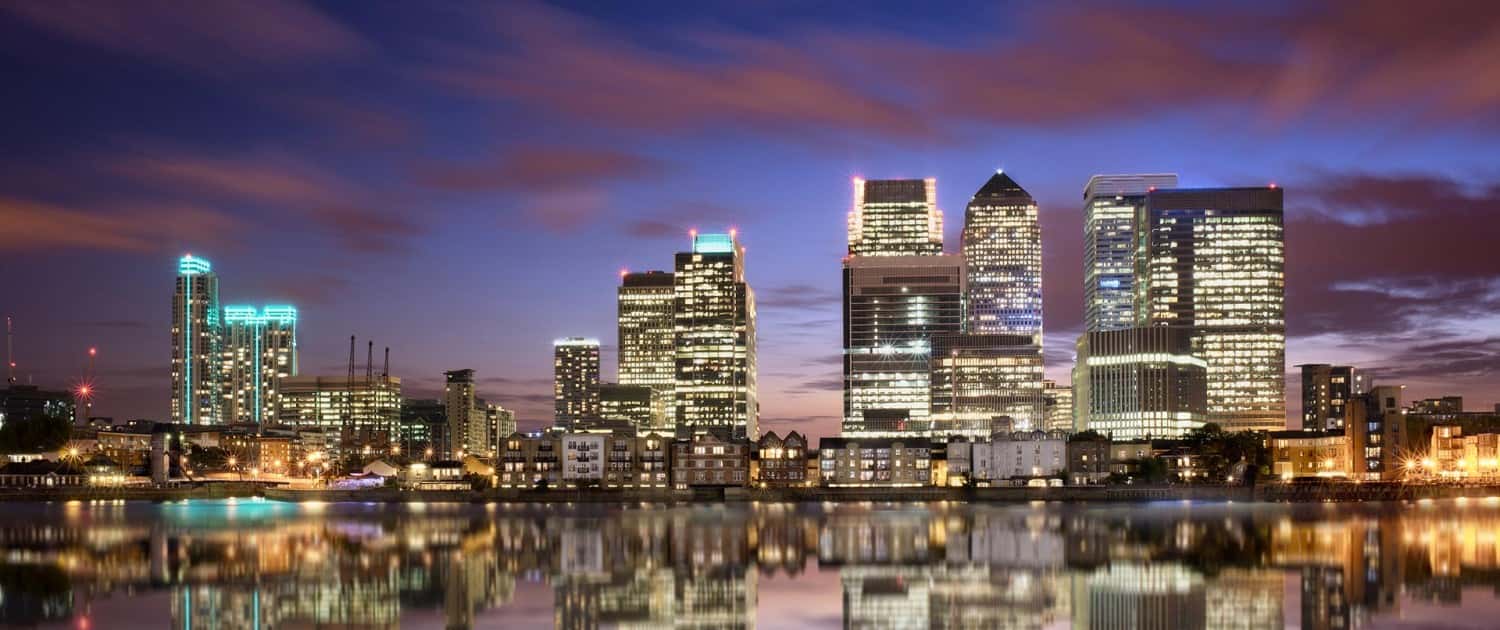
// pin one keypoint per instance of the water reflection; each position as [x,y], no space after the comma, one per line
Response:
[257,564]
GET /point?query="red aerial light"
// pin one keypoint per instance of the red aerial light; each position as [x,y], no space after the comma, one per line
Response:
[93,351]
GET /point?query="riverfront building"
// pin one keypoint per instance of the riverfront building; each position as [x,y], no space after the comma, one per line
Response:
[260,349]
[980,384]
[893,308]
[1002,251]
[1326,390]
[714,340]
[1213,263]
[196,345]
[360,412]
[875,462]
[575,381]
[648,353]
[1137,383]
[1110,205]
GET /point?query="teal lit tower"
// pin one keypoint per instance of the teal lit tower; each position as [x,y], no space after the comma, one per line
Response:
[196,344]
[714,337]
[260,349]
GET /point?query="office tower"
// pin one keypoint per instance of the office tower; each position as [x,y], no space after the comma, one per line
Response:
[1326,390]
[647,343]
[575,381]
[893,307]
[1059,406]
[1002,249]
[895,217]
[1110,203]
[981,384]
[359,412]
[1213,262]
[641,406]
[714,331]
[196,351]
[1138,383]
[424,425]
[468,426]
[260,349]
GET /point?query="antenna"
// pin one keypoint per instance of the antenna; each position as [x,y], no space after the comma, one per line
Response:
[10,354]
[385,371]
[370,363]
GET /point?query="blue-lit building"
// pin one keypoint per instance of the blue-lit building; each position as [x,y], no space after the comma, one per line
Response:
[1110,203]
[197,351]
[260,349]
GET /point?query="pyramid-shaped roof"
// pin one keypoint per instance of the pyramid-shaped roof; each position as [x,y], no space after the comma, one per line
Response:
[1001,185]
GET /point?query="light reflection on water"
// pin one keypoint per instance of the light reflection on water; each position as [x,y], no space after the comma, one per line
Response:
[261,564]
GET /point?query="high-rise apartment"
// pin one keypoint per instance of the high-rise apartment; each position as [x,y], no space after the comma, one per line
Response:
[714,336]
[648,353]
[575,381]
[893,307]
[1110,205]
[895,217]
[981,384]
[1138,383]
[260,349]
[1326,390]
[196,348]
[1002,249]
[468,424]
[1213,261]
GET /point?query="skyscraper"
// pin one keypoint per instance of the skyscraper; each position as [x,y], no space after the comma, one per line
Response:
[260,349]
[196,347]
[575,381]
[468,424]
[981,384]
[1110,204]
[893,307]
[647,342]
[714,335]
[1326,390]
[1213,262]
[1138,383]
[1059,404]
[1002,248]
[895,217]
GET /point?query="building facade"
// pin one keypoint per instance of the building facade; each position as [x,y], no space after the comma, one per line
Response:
[895,217]
[875,462]
[980,384]
[1002,250]
[196,344]
[639,405]
[260,349]
[1326,390]
[355,413]
[1110,204]
[1058,400]
[706,460]
[893,308]
[648,353]
[714,338]
[1138,383]
[468,422]
[782,462]
[1213,262]
[575,381]
[1010,458]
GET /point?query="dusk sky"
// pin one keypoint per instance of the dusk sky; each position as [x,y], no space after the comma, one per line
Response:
[463,183]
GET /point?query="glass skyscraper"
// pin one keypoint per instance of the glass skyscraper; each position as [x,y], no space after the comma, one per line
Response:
[895,217]
[260,349]
[1002,248]
[1212,261]
[714,336]
[1110,203]
[982,384]
[196,344]
[648,348]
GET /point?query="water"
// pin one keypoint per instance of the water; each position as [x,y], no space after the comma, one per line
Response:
[255,563]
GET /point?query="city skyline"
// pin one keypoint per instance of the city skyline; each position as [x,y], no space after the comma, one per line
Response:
[381,219]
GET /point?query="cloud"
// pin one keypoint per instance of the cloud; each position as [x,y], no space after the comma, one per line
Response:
[543,169]
[1037,65]
[363,123]
[204,36]
[37,226]
[676,220]
[797,296]
[349,212]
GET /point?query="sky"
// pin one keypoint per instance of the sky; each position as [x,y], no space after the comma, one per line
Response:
[464,182]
